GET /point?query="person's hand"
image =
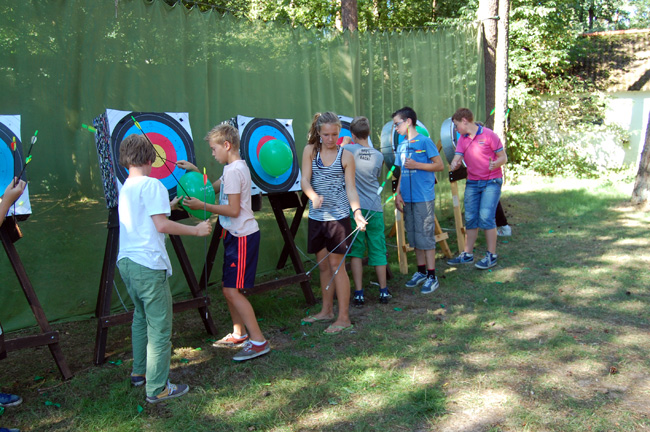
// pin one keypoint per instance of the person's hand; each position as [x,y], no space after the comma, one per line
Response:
[317,202]
[187,166]
[193,203]
[346,140]
[360,220]
[454,165]
[174,203]
[204,228]
[493,165]
[14,190]
[399,202]
[410,163]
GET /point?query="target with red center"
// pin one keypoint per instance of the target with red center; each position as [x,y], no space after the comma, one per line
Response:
[261,141]
[12,161]
[170,135]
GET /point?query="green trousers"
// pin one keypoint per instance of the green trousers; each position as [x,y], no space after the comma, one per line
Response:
[152,322]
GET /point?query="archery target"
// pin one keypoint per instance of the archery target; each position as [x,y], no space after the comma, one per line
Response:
[345,130]
[449,138]
[12,163]
[170,134]
[254,133]
[390,140]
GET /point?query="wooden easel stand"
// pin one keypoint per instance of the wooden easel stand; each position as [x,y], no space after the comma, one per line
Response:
[48,336]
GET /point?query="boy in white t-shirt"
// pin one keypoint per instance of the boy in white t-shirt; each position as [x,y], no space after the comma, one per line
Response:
[241,243]
[145,267]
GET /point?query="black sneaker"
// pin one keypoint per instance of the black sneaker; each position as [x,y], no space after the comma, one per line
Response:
[384,298]
[359,300]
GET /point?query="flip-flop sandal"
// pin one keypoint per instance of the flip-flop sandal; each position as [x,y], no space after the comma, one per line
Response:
[337,329]
[312,319]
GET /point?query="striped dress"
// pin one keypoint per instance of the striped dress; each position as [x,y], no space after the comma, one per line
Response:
[329,182]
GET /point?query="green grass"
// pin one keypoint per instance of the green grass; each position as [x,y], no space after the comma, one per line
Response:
[527,346]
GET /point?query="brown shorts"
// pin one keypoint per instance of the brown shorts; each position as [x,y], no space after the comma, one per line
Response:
[330,235]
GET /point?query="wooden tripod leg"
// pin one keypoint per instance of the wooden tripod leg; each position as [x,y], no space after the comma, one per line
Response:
[401,242]
[199,301]
[441,238]
[458,218]
[103,308]
[48,336]
[290,246]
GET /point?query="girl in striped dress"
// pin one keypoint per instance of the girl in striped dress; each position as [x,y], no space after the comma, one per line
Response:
[328,181]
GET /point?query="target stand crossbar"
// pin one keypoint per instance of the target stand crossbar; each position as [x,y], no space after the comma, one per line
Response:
[106,320]
[9,232]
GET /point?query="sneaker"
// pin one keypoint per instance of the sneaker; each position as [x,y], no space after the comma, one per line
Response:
[504,231]
[251,351]
[9,430]
[489,261]
[138,380]
[359,300]
[10,400]
[430,285]
[171,391]
[384,298]
[463,258]
[230,340]
[416,280]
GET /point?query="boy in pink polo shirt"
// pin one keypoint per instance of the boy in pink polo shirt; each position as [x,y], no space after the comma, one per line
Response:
[483,153]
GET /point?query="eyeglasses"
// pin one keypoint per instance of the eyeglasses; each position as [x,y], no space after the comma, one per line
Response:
[397,124]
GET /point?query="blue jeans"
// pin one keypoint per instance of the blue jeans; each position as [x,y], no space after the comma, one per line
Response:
[481,199]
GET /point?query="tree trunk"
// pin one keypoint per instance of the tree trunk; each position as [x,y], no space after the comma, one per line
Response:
[641,192]
[349,18]
[501,74]
[487,9]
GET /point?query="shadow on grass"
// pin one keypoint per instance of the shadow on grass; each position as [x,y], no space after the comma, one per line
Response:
[529,345]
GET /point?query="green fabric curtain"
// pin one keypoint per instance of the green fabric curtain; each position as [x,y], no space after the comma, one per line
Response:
[63,62]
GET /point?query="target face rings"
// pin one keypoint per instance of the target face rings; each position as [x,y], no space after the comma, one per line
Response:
[258,132]
[170,139]
[11,163]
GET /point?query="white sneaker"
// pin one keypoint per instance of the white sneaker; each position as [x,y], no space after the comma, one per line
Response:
[504,231]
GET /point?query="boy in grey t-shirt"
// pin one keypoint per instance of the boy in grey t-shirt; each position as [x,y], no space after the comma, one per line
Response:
[368,163]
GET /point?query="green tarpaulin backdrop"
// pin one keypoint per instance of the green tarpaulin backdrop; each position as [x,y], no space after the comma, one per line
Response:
[63,62]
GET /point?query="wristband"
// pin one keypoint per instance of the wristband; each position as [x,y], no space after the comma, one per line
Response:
[355,210]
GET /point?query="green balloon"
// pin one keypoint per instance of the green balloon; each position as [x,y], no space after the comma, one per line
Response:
[275,157]
[422,130]
[192,184]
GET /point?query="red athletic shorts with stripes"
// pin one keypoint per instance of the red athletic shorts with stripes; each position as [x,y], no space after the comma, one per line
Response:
[240,260]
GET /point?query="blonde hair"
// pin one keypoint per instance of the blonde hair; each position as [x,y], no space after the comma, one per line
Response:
[222,133]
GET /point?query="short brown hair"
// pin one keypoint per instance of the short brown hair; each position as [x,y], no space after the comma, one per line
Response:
[360,127]
[222,133]
[135,150]
[463,113]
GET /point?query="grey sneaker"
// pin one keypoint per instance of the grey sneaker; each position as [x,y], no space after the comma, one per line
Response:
[504,231]
[416,280]
[463,258]
[171,391]
[251,351]
[489,261]
[430,285]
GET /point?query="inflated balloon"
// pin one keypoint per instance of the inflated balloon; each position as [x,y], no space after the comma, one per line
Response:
[422,130]
[275,157]
[192,183]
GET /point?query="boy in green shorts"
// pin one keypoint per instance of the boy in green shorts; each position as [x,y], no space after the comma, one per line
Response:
[368,163]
